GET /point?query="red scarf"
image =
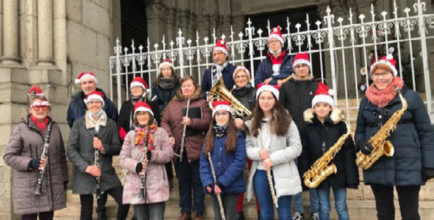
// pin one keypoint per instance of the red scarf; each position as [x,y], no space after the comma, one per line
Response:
[277,60]
[41,126]
[383,97]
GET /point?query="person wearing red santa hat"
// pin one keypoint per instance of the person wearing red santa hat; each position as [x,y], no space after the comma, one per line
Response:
[413,140]
[221,68]
[166,85]
[95,132]
[88,83]
[225,149]
[24,154]
[145,151]
[325,126]
[272,142]
[296,95]
[277,66]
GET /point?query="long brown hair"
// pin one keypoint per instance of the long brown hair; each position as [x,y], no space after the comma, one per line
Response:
[279,122]
[231,134]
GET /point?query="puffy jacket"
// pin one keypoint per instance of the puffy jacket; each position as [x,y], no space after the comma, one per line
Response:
[164,96]
[413,141]
[77,108]
[228,79]
[265,70]
[246,95]
[157,184]
[172,120]
[312,139]
[228,167]
[26,143]
[297,96]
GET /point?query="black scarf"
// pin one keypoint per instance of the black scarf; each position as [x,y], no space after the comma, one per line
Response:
[241,92]
[168,83]
[219,131]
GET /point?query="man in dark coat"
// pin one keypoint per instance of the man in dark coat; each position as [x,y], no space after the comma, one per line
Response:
[277,66]
[77,107]
[221,68]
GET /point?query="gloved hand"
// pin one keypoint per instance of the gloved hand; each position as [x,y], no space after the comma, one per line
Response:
[139,167]
[427,173]
[364,147]
[34,164]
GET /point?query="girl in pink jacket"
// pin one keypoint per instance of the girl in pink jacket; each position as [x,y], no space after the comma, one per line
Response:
[145,151]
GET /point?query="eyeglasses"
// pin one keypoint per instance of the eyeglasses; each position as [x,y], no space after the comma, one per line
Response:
[274,41]
[225,113]
[301,65]
[136,87]
[383,74]
[241,76]
[38,107]
[94,102]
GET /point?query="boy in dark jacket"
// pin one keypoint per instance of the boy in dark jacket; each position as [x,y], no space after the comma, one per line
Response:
[325,126]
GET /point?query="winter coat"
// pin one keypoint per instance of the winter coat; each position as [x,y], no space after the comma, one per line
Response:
[228,168]
[228,79]
[127,110]
[283,150]
[312,139]
[413,140]
[164,96]
[26,143]
[157,185]
[172,119]
[265,70]
[81,153]
[296,96]
[246,96]
[77,108]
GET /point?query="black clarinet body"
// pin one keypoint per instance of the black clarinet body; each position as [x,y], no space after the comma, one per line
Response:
[145,161]
[98,178]
[44,156]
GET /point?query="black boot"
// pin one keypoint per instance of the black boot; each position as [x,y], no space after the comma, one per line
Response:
[240,215]
[134,216]
[259,215]
[102,216]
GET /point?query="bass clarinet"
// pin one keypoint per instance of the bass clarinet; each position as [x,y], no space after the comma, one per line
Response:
[98,178]
[184,129]
[145,161]
[219,198]
[44,156]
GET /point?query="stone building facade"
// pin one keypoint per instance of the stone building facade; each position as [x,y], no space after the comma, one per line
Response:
[49,42]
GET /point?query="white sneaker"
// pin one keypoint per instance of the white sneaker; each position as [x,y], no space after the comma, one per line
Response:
[314,216]
[298,216]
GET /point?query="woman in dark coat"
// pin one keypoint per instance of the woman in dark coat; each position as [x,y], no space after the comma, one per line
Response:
[23,155]
[95,132]
[166,85]
[413,140]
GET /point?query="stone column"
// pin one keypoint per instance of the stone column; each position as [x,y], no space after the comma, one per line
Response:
[45,32]
[10,32]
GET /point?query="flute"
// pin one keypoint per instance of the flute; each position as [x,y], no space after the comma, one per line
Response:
[98,178]
[145,161]
[184,129]
[269,177]
[219,198]
[44,156]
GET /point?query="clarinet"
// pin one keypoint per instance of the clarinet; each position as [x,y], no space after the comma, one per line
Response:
[269,177]
[184,129]
[98,178]
[219,198]
[145,161]
[44,156]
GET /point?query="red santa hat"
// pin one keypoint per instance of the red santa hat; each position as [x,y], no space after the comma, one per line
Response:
[241,68]
[85,74]
[301,58]
[34,92]
[221,105]
[389,61]
[139,81]
[95,95]
[275,33]
[323,94]
[142,107]
[221,46]
[270,88]
[166,62]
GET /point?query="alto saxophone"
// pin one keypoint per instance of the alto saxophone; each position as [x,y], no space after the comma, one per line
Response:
[378,141]
[321,169]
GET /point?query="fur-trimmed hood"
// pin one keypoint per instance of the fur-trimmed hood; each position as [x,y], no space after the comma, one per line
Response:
[335,115]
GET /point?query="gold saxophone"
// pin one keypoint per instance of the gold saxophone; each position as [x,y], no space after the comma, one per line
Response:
[321,169]
[378,141]
[288,78]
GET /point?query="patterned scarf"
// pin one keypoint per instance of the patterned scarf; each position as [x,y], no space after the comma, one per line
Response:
[141,136]
[220,131]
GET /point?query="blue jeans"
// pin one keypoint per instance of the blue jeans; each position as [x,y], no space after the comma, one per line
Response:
[298,200]
[340,203]
[263,194]
[153,211]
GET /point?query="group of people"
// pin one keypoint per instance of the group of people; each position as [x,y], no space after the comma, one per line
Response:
[293,123]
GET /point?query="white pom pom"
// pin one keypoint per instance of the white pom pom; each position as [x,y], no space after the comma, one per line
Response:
[389,56]
[391,50]
[331,92]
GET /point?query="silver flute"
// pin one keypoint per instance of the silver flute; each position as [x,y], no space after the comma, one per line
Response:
[219,198]
[44,156]
[181,146]
[145,161]
[269,177]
